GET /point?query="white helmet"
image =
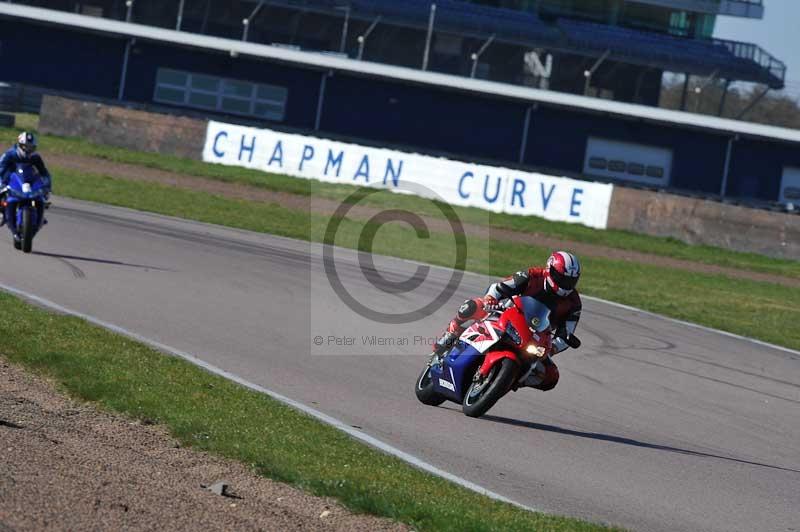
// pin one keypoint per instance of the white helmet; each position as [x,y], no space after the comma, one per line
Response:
[26,144]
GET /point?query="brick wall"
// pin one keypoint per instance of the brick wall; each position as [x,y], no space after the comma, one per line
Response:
[123,127]
[698,221]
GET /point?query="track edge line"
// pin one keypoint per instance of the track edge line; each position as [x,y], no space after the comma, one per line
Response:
[321,416]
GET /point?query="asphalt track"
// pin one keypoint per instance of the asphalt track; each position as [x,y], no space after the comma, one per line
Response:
[655,425]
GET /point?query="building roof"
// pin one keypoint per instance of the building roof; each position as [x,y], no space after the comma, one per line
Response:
[731,60]
[443,81]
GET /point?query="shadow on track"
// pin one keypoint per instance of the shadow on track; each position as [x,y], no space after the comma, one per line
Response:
[100,261]
[624,441]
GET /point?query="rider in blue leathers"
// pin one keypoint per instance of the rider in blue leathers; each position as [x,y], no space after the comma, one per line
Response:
[23,152]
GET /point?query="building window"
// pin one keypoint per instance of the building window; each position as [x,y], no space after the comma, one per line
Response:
[221,95]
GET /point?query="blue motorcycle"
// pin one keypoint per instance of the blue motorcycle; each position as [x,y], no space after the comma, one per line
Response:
[28,192]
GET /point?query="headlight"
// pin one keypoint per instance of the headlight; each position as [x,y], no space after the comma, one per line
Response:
[513,334]
[536,350]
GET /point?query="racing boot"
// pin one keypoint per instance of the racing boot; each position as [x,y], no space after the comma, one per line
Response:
[17,241]
[446,342]
[544,376]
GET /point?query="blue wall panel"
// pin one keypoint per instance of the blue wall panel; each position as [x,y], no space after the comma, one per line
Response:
[60,59]
[558,137]
[383,111]
[303,85]
[751,160]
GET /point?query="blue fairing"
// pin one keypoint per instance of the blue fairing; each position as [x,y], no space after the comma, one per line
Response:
[26,200]
[26,173]
[457,370]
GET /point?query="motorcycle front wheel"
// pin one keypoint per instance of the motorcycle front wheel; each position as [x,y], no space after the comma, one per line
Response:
[26,231]
[484,392]
[425,391]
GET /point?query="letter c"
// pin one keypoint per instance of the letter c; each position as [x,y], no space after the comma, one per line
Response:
[219,154]
[461,184]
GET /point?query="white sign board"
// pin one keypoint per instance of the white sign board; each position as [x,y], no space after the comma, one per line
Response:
[455,182]
[790,186]
[627,161]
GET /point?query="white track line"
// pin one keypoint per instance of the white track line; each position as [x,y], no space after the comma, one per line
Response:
[355,433]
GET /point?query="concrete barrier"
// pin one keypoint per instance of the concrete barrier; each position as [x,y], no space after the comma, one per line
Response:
[698,221]
[691,220]
[123,127]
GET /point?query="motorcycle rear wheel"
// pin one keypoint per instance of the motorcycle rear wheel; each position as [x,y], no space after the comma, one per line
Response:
[26,231]
[483,394]
[425,391]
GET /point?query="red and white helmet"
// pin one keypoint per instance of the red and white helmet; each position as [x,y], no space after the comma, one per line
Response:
[562,272]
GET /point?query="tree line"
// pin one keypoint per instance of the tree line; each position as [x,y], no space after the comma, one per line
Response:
[774,109]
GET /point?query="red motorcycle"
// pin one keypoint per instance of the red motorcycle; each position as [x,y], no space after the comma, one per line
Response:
[490,358]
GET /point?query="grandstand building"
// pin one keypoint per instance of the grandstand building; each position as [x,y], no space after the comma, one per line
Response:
[399,73]
[615,49]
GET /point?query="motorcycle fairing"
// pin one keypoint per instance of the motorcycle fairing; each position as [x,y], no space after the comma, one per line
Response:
[25,187]
[494,357]
[454,375]
[25,174]
[481,335]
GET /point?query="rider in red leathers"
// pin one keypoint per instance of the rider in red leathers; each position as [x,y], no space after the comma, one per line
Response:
[553,285]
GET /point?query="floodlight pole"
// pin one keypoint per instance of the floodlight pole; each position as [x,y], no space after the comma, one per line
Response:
[345,28]
[362,39]
[478,54]
[206,13]
[123,78]
[431,20]
[180,16]
[699,90]
[523,145]
[753,103]
[723,188]
[685,92]
[246,22]
[323,83]
[723,98]
[589,73]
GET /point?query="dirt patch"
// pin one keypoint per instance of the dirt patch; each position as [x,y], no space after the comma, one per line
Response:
[328,207]
[68,466]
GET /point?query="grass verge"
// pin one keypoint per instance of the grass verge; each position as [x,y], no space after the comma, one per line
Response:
[765,311]
[667,247]
[213,414]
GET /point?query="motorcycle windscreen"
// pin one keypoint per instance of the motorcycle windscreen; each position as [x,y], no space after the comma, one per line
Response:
[25,179]
[536,314]
[27,173]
